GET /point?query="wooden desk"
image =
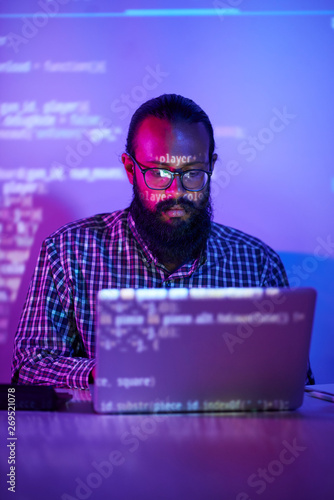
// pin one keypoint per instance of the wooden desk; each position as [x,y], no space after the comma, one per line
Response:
[76,454]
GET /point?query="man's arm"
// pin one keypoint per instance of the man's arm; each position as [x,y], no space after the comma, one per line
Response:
[274,274]
[49,350]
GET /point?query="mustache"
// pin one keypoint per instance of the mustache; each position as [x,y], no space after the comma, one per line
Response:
[164,205]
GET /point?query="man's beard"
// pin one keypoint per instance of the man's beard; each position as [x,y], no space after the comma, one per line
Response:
[178,241]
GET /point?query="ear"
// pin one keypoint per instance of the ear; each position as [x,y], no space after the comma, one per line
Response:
[214,159]
[129,166]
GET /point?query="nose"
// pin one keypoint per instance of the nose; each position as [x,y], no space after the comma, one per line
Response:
[176,186]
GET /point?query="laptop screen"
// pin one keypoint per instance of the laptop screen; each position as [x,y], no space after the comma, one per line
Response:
[202,349]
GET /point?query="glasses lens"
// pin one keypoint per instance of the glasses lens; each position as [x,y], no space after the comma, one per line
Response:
[157,178]
[195,179]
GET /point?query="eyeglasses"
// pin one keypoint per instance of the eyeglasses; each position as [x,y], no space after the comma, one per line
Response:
[161,178]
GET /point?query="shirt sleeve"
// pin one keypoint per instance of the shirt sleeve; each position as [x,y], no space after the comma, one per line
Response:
[273,274]
[48,348]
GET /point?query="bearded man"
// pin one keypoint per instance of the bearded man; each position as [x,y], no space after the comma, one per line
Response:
[166,238]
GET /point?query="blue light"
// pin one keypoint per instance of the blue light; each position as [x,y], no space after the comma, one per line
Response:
[181,12]
[176,13]
[223,12]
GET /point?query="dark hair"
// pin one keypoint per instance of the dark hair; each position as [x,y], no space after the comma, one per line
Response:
[171,107]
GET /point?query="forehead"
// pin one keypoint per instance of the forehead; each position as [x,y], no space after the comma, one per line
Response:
[157,137]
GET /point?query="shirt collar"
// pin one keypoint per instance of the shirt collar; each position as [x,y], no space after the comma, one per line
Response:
[216,248]
[148,256]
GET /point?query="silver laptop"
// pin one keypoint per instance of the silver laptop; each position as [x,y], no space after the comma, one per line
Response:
[202,349]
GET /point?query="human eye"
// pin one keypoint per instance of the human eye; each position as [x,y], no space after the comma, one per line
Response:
[194,174]
[160,173]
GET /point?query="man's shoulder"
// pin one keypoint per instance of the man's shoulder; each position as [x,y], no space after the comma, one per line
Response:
[227,235]
[99,223]
[226,239]
[244,258]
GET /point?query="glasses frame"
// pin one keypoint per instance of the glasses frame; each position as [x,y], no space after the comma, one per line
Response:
[180,174]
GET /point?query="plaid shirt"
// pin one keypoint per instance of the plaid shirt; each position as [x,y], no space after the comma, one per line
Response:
[55,344]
